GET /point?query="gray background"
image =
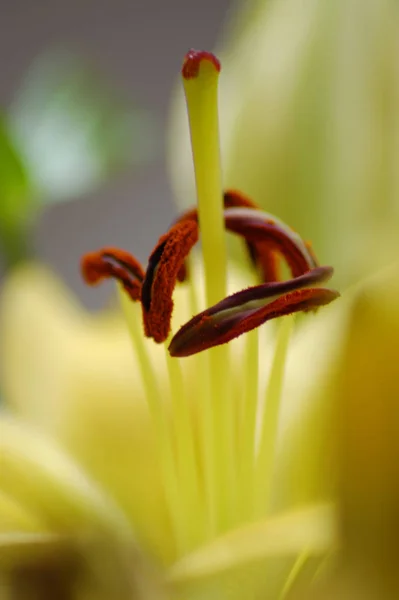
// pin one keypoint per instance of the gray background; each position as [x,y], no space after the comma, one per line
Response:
[139,46]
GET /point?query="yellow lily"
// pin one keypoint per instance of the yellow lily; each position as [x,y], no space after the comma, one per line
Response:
[155,466]
[309,123]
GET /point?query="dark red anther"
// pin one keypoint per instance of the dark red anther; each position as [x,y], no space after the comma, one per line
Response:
[164,268]
[258,227]
[249,309]
[266,238]
[261,254]
[116,264]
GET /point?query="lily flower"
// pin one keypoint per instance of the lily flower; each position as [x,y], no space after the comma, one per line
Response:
[179,476]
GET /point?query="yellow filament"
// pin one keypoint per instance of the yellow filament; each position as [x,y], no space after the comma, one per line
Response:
[248,425]
[205,417]
[154,398]
[185,451]
[270,419]
[293,574]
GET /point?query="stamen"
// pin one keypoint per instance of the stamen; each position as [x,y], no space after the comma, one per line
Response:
[159,418]
[250,308]
[164,266]
[234,315]
[258,226]
[116,264]
[265,236]
[270,420]
[260,253]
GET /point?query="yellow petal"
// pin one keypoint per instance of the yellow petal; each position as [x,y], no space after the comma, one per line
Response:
[257,557]
[75,376]
[39,476]
[365,428]
[367,394]
[14,517]
[306,468]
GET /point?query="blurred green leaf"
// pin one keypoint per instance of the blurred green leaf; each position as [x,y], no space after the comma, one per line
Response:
[15,205]
[72,131]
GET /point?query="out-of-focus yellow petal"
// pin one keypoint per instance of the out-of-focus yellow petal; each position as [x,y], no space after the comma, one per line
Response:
[39,476]
[36,313]
[365,426]
[367,393]
[257,557]
[75,377]
[14,517]
[307,469]
[288,533]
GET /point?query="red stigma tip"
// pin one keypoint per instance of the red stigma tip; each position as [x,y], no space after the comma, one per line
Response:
[192,62]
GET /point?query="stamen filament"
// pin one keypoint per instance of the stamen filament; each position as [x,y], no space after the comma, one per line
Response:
[185,450]
[293,574]
[270,419]
[225,427]
[157,411]
[250,409]
[208,445]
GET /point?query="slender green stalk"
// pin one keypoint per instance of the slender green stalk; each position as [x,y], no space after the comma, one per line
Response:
[186,459]
[248,425]
[293,574]
[202,104]
[201,95]
[270,419]
[161,426]
[205,416]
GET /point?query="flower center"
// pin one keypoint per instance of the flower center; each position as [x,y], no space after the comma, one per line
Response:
[222,478]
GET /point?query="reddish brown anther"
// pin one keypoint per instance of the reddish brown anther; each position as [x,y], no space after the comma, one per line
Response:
[266,238]
[116,264]
[258,228]
[192,62]
[250,308]
[262,253]
[164,268]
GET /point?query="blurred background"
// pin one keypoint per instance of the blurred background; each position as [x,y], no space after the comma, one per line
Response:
[133,50]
